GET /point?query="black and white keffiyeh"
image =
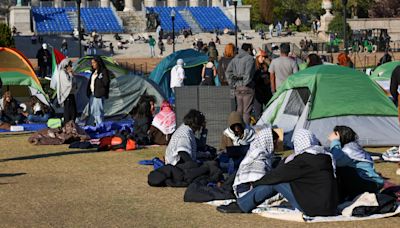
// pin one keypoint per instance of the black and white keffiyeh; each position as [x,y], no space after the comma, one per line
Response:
[258,159]
[182,140]
[306,142]
[246,139]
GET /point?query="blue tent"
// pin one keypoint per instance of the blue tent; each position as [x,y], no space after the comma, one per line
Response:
[194,61]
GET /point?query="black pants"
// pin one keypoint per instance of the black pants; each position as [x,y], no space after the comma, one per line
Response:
[70,108]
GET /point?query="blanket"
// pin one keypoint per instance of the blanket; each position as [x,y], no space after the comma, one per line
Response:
[283,212]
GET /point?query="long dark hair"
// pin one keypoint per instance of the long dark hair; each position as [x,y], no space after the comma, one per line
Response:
[347,134]
[314,60]
[194,119]
[100,63]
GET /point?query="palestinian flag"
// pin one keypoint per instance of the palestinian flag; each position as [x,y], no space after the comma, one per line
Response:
[56,58]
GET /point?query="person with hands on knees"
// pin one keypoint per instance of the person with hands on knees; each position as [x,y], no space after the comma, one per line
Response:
[306,179]
[355,167]
[182,146]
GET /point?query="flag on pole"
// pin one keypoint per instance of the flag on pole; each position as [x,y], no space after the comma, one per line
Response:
[56,58]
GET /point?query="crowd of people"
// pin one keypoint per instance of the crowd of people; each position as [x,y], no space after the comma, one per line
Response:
[254,172]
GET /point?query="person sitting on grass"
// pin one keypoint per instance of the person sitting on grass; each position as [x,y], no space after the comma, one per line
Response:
[258,160]
[306,179]
[10,110]
[182,146]
[237,133]
[38,112]
[163,125]
[355,167]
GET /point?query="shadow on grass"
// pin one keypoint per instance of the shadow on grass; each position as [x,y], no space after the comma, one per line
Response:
[11,174]
[57,154]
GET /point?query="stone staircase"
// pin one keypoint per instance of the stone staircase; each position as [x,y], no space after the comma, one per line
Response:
[133,21]
[73,19]
[191,21]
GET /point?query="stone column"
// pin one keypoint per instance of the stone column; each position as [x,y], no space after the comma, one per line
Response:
[172,3]
[129,5]
[193,2]
[105,3]
[150,3]
[57,3]
[216,3]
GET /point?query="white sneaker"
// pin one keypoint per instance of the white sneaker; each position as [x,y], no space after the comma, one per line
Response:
[392,154]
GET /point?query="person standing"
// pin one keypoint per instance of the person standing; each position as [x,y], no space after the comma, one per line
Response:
[64,47]
[161,46]
[66,89]
[111,49]
[44,61]
[152,43]
[278,29]
[262,84]
[240,73]
[271,30]
[98,90]
[223,63]
[281,68]
[208,73]
[298,24]
[177,75]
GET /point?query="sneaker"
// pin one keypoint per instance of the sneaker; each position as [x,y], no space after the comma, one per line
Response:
[392,154]
[230,208]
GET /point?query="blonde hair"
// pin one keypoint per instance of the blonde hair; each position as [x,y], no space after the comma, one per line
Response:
[229,50]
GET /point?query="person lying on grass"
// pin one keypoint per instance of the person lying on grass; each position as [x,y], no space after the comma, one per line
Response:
[355,167]
[182,146]
[306,179]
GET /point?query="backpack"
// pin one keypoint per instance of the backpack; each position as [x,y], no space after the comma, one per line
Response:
[121,141]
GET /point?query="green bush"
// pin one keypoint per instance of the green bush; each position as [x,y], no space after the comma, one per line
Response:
[336,26]
[261,26]
[6,39]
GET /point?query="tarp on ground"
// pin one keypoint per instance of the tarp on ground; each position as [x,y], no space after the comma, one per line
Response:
[194,61]
[17,74]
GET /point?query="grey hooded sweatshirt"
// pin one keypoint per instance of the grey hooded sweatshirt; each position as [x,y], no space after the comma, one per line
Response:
[241,70]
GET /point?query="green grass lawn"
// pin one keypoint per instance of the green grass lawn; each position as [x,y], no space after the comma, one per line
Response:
[53,186]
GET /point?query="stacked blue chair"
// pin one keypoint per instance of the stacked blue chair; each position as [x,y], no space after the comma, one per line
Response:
[100,20]
[164,14]
[51,20]
[211,18]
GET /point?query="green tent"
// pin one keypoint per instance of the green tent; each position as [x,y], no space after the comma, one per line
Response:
[384,71]
[194,61]
[85,64]
[321,97]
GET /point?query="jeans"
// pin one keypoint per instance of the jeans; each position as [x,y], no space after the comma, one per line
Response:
[38,118]
[152,52]
[96,110]
[244,99]
[263,192]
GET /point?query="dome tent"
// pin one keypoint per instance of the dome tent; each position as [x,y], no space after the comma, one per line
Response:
[18,76]
[321,97]
[194,61]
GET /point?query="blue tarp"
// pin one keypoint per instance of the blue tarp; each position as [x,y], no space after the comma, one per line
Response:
[108,128]
[194,61]
[30,127]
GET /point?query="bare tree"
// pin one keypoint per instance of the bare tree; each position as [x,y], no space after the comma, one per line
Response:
[385,8]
